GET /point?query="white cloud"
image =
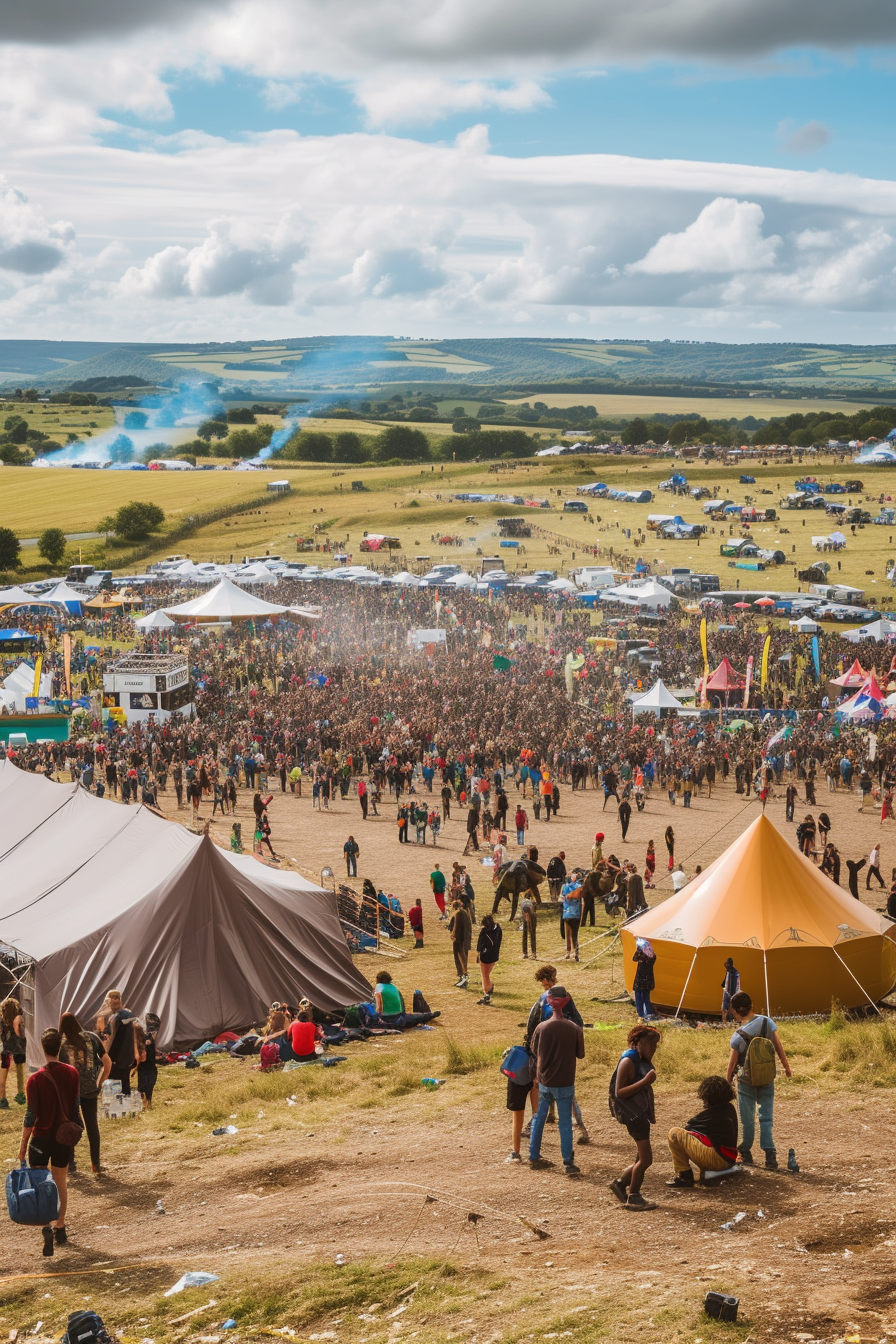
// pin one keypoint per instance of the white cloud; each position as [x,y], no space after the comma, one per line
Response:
[809,138]
[29,244]
[229,261]
[726,236]
[424,100]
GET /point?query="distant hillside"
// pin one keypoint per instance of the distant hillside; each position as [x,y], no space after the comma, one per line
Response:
[352,363]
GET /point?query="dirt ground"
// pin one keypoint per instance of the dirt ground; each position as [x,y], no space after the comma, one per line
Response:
[360,1161]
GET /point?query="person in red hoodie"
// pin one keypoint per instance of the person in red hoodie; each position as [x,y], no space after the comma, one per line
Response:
[53,1095]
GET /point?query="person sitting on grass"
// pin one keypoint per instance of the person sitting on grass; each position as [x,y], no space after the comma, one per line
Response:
[390,1006]
[709,1139]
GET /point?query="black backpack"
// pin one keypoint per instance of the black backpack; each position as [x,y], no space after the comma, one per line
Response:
[85,1327]
[420,1005]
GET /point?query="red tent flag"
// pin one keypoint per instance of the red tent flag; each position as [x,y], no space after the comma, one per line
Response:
[725,678]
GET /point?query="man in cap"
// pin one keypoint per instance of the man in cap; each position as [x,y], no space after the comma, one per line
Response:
[557,1044]
[597,849]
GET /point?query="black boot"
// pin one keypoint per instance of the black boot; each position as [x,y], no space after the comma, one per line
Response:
[684,1180]
[746,1157]
[771,1159]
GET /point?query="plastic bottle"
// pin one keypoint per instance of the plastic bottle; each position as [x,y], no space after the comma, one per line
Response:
[432,1083]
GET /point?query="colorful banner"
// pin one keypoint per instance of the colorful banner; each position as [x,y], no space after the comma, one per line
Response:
[67,662]
[816,658]
[749,679]
[705,661]
[763,675]
[38,663]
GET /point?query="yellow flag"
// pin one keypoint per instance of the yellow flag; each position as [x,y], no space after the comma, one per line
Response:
[763,676]
[37,666]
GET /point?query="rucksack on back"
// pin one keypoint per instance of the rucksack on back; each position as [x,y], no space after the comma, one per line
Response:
[759,1066]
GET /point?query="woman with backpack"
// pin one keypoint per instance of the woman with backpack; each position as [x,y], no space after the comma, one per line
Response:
[631,1103]
[488,949]
[86,1052]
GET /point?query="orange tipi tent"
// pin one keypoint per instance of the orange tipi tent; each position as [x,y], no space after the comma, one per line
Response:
[798,940]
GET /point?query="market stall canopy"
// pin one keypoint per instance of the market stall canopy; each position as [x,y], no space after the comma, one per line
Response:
[225,602]
[156,620]
[876,630]
[656,699]
[725,678]
[805,625]
[105,602]
[798,940]
[93,895]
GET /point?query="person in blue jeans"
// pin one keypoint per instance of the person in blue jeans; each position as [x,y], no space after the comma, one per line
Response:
[749,1098]
[645,960]
[557,1045]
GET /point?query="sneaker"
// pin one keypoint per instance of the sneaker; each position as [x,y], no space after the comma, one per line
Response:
[48,1241]
[771,1159]
[21,1099]
[4,1104]
[514,1157]
[539,1163]
[619,1190]
[570,1169]
[638,1203]
[527,1129]
[583,1139]
[464,981]
[746,1157]
[60,1236]
[458,984]
[684,1180]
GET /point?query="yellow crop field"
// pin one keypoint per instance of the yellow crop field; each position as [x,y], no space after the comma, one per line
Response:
[714,408]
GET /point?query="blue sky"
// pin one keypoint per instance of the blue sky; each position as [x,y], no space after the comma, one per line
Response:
[681,168]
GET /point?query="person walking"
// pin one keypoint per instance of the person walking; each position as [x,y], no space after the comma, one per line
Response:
[754,1046]
[472,830]
[85,1052]
[572,917]
[632,1104]
[521,822]
[488,950]
[625,816]
[529,917]
[874,867]
[362,798]
[670,846]
[351,849]
[438,883]
[12,1049]
[557,1045]
[52,1127]
[461,930]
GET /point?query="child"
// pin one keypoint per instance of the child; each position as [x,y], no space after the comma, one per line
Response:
[631,1103]
[12,1050]
[147,1070]
[649,865]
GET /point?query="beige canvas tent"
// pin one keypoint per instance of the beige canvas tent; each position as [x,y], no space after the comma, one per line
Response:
[798,940]
[96,896]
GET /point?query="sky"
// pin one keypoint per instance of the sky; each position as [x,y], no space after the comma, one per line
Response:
[206,170]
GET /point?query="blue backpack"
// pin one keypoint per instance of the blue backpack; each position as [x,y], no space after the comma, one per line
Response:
[517,1066]
[31,1196]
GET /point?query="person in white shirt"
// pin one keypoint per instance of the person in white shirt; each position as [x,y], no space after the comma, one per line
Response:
[874,868]
[679,878]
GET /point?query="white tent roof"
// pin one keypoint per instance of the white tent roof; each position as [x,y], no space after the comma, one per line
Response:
[61,594]
[806,624]
[257,573]
[647,594]
[20,685]
[95,894]
[461,581]
[18,597]
[877,630]
[561,586]
[657,698]
[156,620]
[225,602]
[405,580]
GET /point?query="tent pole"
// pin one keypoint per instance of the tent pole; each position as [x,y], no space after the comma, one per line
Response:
[686,983]
[849,972]
[768,1006]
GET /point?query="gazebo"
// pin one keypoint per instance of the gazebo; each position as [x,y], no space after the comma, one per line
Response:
[224,603]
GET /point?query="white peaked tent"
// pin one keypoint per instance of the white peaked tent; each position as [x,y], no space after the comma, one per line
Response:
[17,597]
[461,580]
[156,620]
[95,896]
[655,700]
[405,580]
[225,602]
[877,630]
[805,625]
[257,573]
[20,685]
[63,595]
[647,594]
[560,586]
